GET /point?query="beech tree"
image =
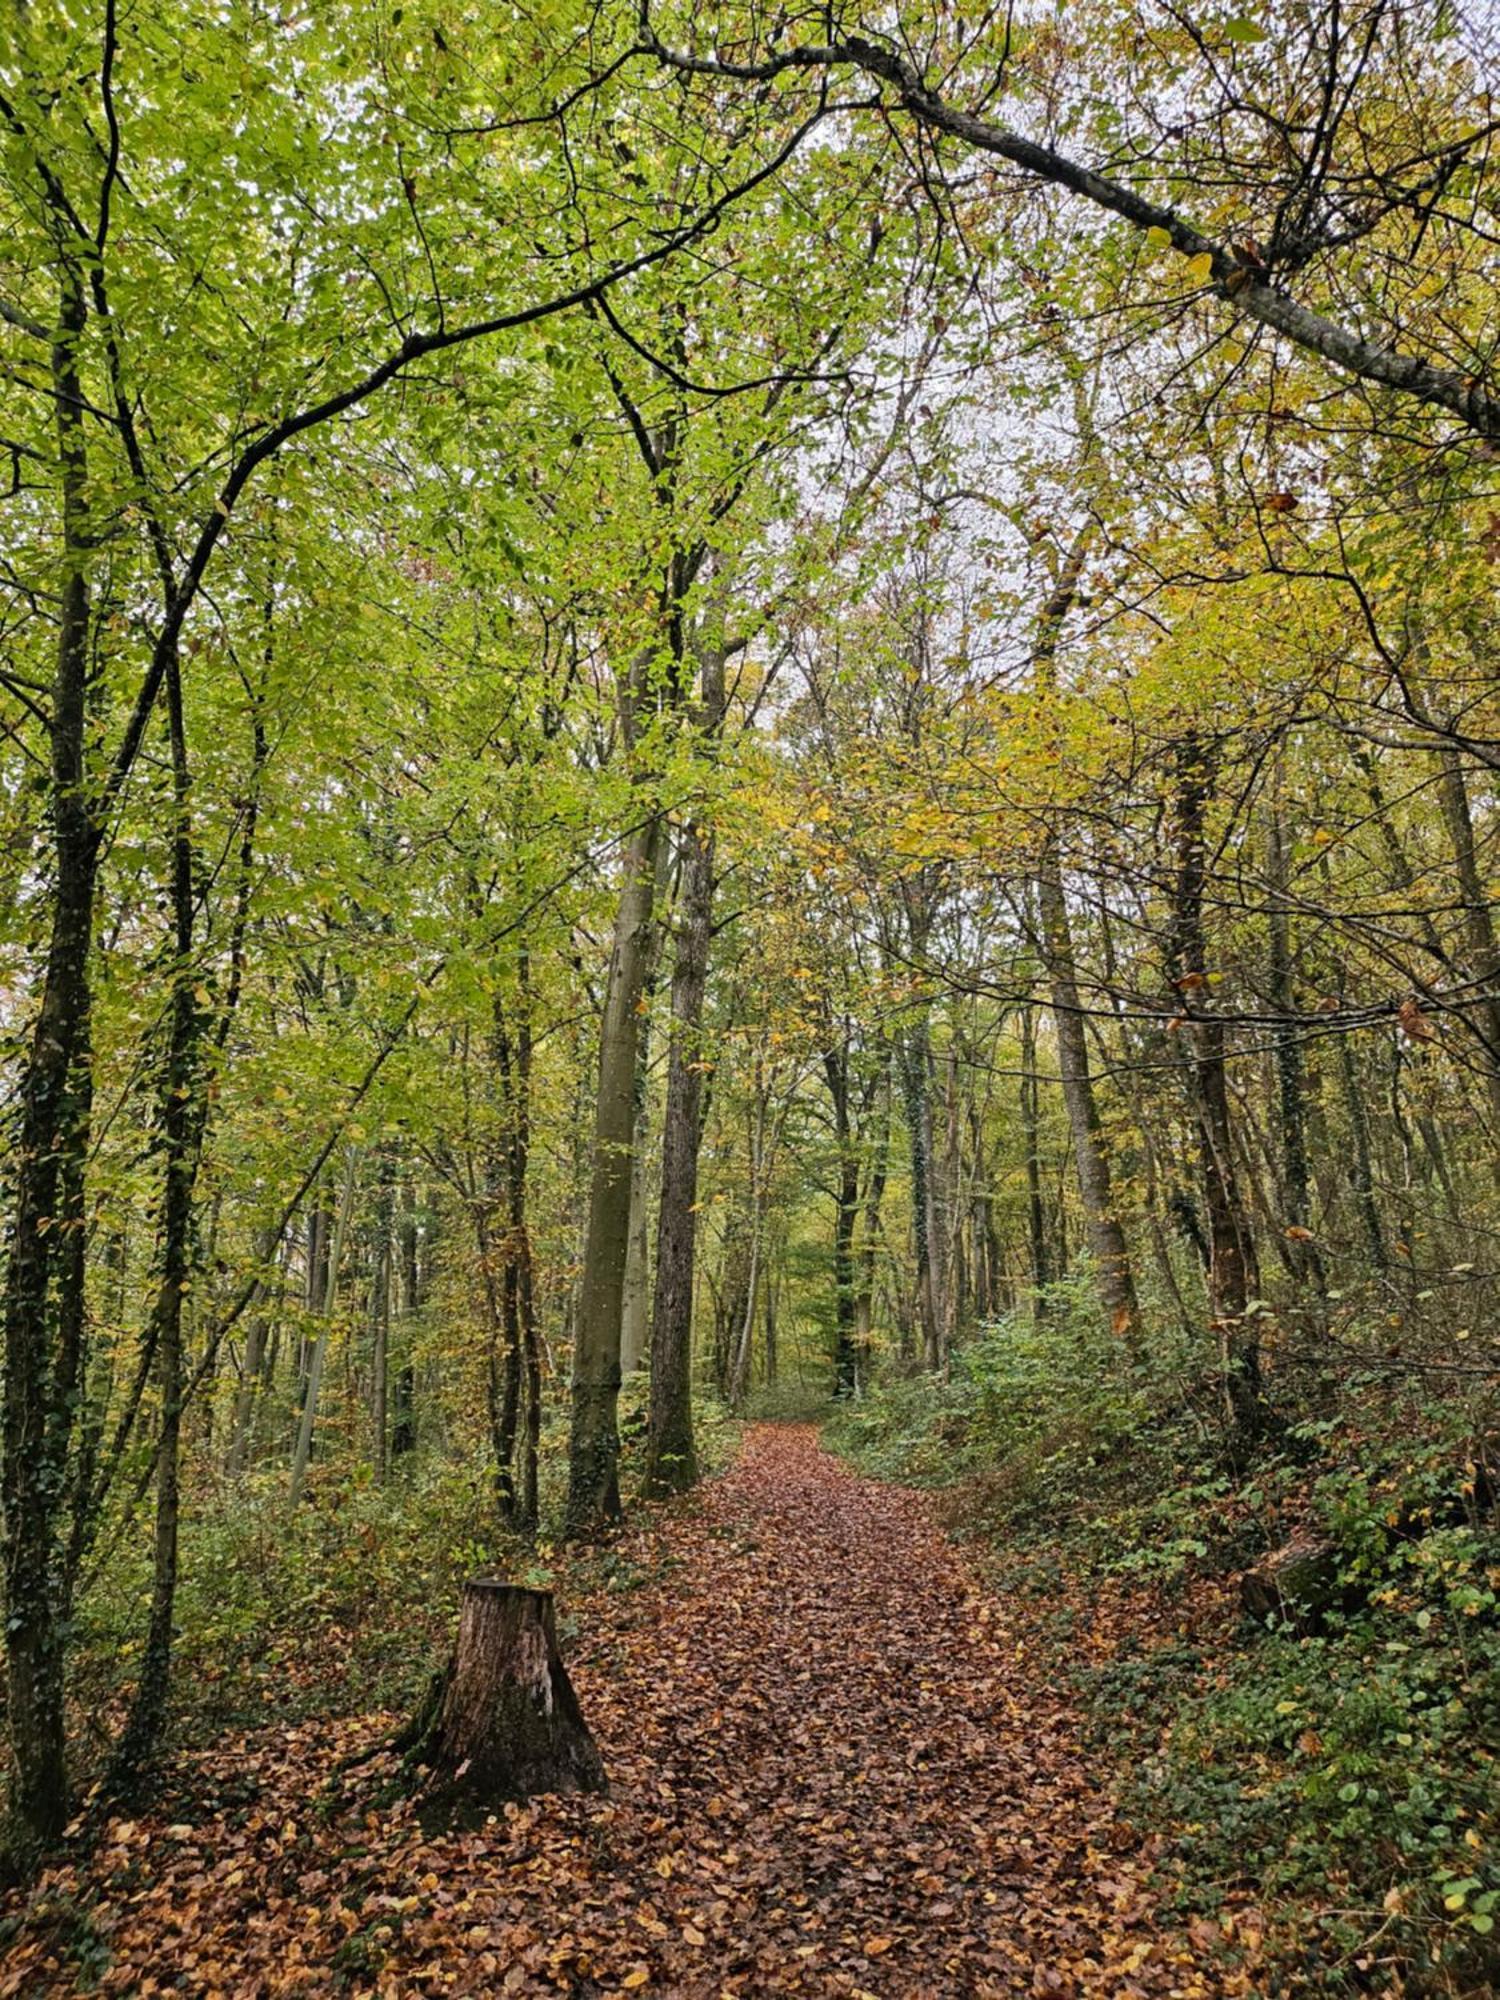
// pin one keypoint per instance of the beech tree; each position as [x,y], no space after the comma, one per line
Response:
[765,706]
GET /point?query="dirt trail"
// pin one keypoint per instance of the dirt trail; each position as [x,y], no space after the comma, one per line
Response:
[836,1769]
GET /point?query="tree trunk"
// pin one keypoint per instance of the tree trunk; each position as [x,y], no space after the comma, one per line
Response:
[404,1429]
[845,1218]
[1106,1235]
[1111,1255]
[503,1721]
[44,1293]
[1362,1176]
[671,1458]
[1482,1018]
[876,1169]
[635,1305]
[743,1339]
[1036,1212]
[916,1086]
[594,1443]
[248,1395]
[302,1451]
[1295,1177]
[1233,1274]
[380,1340]
[184,1121]
[635,1308]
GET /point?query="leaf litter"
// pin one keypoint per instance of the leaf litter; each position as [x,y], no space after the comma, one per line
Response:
[838,1767]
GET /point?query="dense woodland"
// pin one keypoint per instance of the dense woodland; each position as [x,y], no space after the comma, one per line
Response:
[761,713]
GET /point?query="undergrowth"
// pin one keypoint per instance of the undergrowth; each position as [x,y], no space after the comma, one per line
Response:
[1336,1760]
[347,1603]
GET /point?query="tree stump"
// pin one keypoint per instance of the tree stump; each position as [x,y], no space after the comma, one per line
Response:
[502,1721]
[1297,1583]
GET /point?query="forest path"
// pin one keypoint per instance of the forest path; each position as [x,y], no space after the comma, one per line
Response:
[836,1766]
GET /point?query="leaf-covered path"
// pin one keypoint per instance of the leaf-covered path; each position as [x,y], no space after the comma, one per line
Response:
[836,1769]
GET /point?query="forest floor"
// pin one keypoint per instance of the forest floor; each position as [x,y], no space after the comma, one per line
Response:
[838,1766]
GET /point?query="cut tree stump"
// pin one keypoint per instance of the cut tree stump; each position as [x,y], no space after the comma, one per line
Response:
[502,1721]
[1297,1583]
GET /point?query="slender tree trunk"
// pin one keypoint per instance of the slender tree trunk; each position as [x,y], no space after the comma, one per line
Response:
[635,1311]
[1111,1254]
[1233,1274]
[515,1386]
[1106,1234]
[876,1171]
[252,1371]
[594,1445]
[744,1337]
[1363,1175]
[845,1220]
[953,1291]
[1296,1180]
[1036,1211]
[916,1085]
[1482,951]
[380,1329]
[302,1452]
[502,1354]
[404,1429]
[44,1295]
[315,1283]
[671,1458]
[184,1120]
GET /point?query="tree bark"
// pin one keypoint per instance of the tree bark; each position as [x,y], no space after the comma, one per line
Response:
[845,1219]
[404,1428]
[1111,1254]
[1036,1212]
[593,1499]
[671,1456]
[876,1169]
[44,1294]
[916,1085]
[635,1309]
[1481,948]
[1296,1179]
[503,1721]
[302,1451]
[251,1388]
[1233,1273]
[184,1122]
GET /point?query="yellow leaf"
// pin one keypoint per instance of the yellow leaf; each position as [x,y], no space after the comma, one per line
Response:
[1159,238]
[1200,268]
[634,1979]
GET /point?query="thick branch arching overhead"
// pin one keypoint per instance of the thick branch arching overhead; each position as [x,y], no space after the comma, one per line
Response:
[1232,274]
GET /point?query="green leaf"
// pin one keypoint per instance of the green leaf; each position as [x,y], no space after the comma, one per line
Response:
[1242,30]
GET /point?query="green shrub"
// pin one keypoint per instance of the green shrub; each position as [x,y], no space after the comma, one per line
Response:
[1346,1773]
